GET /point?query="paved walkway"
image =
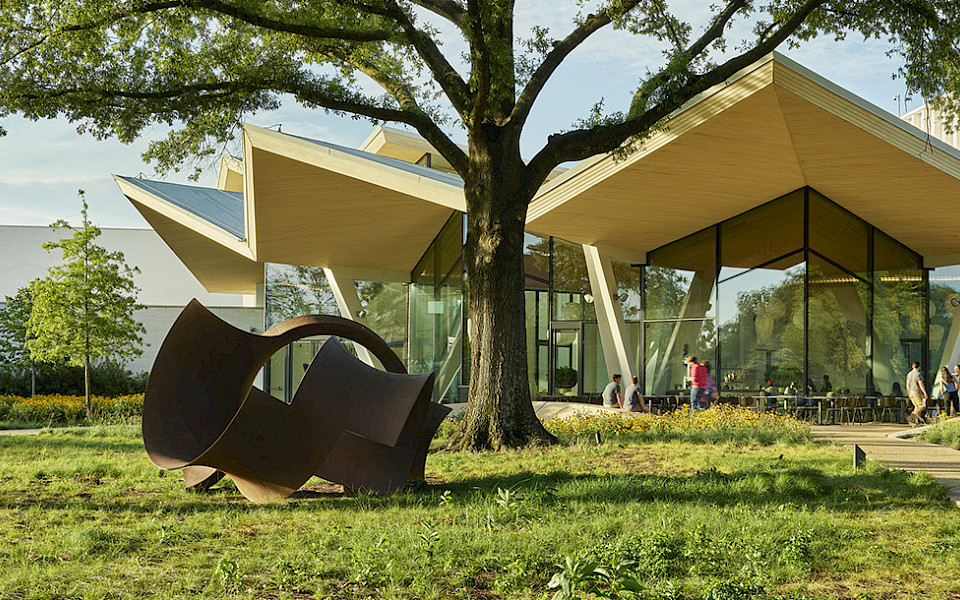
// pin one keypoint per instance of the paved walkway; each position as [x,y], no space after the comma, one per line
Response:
[20,431]
[884,442]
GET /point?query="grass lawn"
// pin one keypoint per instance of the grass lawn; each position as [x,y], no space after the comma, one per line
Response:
[84,514]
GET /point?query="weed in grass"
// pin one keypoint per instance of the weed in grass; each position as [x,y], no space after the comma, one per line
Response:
[227,575]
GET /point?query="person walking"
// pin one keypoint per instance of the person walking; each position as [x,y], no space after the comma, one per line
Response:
[917,393]
[698,382]
[611,393]
[954,408]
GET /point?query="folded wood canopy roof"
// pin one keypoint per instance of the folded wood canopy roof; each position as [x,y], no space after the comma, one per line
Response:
[773,128]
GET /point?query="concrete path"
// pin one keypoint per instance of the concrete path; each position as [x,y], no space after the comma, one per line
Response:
[885,442]
[550,410]
[20,431]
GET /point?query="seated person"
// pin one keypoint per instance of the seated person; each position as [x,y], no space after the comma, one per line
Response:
[633,399]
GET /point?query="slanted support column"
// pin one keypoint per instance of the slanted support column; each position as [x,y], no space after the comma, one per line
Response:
[613,329]
[348,301]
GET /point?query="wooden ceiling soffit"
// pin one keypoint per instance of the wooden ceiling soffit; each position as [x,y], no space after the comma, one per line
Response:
[217,268]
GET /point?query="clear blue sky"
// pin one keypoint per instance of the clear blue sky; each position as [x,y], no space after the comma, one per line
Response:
[43,164]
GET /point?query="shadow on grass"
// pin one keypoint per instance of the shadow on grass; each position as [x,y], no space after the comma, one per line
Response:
[877,490]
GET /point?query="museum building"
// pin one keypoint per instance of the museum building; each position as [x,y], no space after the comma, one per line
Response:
[777,225]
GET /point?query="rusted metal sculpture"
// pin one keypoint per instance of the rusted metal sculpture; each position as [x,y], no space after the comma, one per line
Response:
[348,423]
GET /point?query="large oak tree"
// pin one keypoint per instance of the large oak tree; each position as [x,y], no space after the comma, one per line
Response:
[118,66]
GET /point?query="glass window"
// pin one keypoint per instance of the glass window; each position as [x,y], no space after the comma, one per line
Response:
[898,319]
[680,278]
[837,344]
[385,303]
[435,333]
[570,283]
[295,291]
[536,261]
[838,235]
[762,235]
[945,316]
[761,327]
[668,342]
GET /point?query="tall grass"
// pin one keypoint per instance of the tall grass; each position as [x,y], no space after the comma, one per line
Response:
[945,433]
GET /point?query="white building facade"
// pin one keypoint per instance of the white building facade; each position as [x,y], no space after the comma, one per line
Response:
[166,285]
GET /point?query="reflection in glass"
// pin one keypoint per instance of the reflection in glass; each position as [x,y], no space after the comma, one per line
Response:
[838,235]
[945,316]
[898,319]
[837,337]
[761,328]
[294,291]
[435,334]
[668,342]
[762,235]
[680,278]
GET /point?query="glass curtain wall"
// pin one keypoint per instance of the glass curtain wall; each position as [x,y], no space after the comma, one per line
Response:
[564,356]
[760,297]
[801,291]
[680,310]
[899,320]
[293,291]
[436,319]
[944,316]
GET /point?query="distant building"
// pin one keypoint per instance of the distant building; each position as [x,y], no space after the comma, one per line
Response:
[165,283]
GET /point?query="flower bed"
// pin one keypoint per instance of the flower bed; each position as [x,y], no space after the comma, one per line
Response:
[723,423]
[58,409]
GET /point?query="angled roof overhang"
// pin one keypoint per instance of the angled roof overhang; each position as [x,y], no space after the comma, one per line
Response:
[203,227]
[318,204]
[772,129]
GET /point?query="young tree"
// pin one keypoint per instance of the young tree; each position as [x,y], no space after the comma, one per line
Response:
[206,63]
[83,309]
[13,334]
[13,328]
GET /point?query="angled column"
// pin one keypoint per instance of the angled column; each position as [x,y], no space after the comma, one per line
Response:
[613,329]
[348,301]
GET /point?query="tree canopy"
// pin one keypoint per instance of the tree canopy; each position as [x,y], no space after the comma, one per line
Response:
[200,66]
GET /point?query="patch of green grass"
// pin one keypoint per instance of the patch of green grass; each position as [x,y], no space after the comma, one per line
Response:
[945,433]
[85,515]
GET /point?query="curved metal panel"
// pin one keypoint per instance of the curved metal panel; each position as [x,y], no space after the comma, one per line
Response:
[349,423]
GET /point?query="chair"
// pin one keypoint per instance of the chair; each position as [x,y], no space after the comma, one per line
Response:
[852,409]
[891,409]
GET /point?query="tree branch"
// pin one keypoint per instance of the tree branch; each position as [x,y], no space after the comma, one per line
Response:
[448,9]
[481,64]
[443,72]
[583,143]
[410,111]
[713,33]
[559,53]
[309,31]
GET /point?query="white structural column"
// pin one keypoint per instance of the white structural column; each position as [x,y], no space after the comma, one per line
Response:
[613,329]
[348,301]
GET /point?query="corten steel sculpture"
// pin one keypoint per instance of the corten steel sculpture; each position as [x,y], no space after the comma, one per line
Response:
[348,422]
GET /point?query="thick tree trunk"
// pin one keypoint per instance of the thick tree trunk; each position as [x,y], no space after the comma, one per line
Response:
[499,413]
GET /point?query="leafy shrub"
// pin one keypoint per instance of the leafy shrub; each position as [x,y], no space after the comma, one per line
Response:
[106,378]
